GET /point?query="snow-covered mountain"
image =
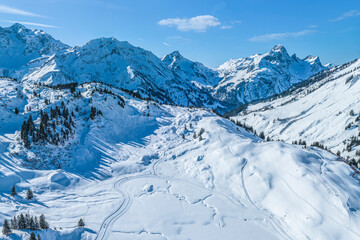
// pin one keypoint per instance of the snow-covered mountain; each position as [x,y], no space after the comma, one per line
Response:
[191,71]
[262,75]
[34,56]
[19,45]
[121,65]
[324,109]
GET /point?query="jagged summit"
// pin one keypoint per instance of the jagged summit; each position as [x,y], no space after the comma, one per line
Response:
[171,58]
[191,71]
[108,42]
[18,26]
[263,75]
[19,45]
[279,48]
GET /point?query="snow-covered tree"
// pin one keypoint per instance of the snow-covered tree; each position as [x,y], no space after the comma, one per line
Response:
[21,222]
[43,223]
[36,223]
[6,228]
[81,223]
[13,191]
[14,223]
[32,236]
[29,194]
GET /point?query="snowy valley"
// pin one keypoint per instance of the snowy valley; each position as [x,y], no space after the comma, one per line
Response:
[133,146]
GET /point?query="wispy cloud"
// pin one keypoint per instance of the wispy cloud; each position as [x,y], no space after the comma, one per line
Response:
[236,22]
[166,44]
[16,11]
[170,39]
[351,13]
[32,24]
[226,26]
[197,24]
[280,36]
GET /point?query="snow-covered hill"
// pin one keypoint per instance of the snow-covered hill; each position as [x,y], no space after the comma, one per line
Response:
[262,75]
[138,169]
[325,109]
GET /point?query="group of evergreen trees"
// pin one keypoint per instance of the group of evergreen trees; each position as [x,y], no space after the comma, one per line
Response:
[251,129]
[29,193]
[94,112]
[33,236]
[46,131]
[22,222]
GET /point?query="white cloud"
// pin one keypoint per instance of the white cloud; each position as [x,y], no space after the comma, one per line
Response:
[32,24]
[198,23]
[226,27]
[280,36]
[166,44]
[236,22]
[16,11]
[351,13]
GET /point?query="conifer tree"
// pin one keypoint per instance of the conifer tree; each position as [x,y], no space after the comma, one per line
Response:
[81,223]
[36,223]
[43,223]
[6,228]
[32,236]
[21,222]
[27,220]
[38,237]
[13,223]
[13,191]
[29,194]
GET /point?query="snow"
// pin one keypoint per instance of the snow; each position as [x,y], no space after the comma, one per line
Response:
[35,57]
[263,75]
[157,185]
[137,172]
[317,112]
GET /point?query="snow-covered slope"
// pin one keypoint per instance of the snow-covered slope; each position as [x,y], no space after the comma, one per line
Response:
[262,75]
[325,109]
[19,45]
[139,170]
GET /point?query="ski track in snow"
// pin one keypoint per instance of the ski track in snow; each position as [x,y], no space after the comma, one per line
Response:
[106,227]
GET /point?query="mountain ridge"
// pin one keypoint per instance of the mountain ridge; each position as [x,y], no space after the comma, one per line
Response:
[170,79]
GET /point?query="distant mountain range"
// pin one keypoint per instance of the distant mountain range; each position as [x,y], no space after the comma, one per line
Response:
[35,57]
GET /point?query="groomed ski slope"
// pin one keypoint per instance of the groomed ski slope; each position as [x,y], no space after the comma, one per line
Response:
[157,185]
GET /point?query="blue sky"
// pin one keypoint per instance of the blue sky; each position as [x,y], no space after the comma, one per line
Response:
[207,31]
